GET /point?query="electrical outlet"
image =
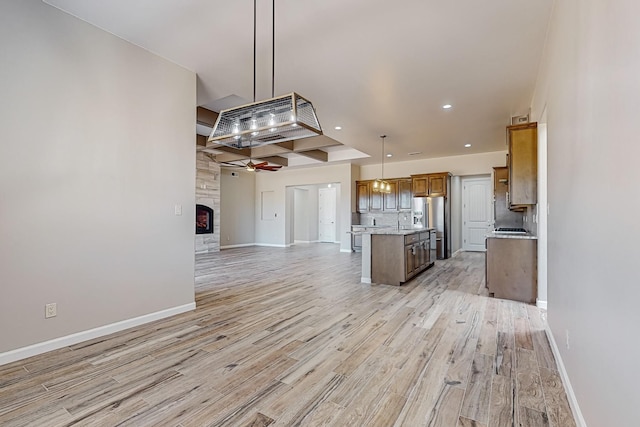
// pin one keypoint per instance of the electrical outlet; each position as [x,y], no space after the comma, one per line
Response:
[50,310]
[567,336]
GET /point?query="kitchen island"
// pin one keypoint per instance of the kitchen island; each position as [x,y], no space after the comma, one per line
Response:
[392,256]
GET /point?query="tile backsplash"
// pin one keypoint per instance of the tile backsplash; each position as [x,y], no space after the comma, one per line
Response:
[402,220]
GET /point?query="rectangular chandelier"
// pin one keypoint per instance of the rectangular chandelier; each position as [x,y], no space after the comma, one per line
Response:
[279,119]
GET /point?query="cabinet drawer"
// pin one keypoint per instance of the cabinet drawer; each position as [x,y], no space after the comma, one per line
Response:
[424,236]
[411,238]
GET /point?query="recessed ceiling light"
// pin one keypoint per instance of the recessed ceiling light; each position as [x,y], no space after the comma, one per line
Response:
[415,153]
[447,106]
[467,145]
[389,155]
[338,128]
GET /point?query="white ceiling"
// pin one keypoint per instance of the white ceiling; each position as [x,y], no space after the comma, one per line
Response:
[373,67]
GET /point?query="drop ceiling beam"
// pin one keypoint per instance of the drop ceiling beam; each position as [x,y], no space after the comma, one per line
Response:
[271,150]
[320,155]
[230,157]
[314,143]
[245,152]
[277,160]
[206,117]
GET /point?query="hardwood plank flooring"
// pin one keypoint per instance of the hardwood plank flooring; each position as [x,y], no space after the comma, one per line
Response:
[288,337]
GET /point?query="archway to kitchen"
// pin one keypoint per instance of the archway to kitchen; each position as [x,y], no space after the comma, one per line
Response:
[312,213]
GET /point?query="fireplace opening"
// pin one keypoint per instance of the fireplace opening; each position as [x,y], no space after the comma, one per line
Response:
[204,219]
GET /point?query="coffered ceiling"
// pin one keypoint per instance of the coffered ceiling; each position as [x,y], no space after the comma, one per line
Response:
[370,67]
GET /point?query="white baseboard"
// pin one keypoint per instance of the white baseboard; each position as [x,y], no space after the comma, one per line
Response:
[573,402]
[54,344]
[365,280]
[346,250]
[269,245]
[541,304]
[242,245]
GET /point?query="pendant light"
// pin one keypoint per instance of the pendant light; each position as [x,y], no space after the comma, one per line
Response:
[379,184]
[274,120]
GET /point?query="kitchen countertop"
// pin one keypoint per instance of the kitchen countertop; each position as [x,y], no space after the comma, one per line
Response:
[396,231]
[498,235]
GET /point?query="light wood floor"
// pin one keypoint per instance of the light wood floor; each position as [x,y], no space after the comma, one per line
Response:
[290,337]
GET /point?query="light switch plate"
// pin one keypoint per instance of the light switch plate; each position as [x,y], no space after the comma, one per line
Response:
[178,210]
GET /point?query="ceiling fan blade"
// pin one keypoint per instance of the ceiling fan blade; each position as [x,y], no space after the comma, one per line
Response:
[269,168]
[259,165]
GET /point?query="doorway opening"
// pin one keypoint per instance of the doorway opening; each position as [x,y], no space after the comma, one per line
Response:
[313,213]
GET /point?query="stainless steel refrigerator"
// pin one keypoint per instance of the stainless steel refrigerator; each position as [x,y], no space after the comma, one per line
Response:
[434,212]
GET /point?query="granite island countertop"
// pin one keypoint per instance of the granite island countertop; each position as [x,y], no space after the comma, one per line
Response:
[381,229]
[399,232]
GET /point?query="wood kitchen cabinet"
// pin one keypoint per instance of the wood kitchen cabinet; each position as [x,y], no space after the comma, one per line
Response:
[420,185]
[362,196]
[430,185]
[438,184]
[523,165]
[390,200]
[404,194]
[375,200]
[369,201]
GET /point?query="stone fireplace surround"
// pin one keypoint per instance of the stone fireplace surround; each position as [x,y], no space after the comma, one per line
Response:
[208,194]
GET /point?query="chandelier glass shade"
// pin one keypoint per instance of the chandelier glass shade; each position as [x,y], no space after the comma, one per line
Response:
[379,185]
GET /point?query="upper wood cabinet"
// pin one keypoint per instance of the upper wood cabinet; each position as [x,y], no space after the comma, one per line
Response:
[438,184]
[404,194]
[370,201]
[391,199]
[362,196]
[375,200]
[523,164]
[420,185]
[430,185]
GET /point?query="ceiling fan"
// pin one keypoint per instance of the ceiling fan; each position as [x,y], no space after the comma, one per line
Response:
[251,167]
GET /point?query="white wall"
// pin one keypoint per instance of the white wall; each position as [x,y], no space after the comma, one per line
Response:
[470,164]
[301,219]
[305,216]
[272,232]
[97,146]
[590,87]
[237,207]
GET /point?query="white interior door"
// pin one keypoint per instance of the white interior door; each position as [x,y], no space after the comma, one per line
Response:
[327,214]
[476,212]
